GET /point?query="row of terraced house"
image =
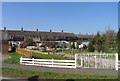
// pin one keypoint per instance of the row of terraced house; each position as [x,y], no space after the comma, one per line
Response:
[18,36]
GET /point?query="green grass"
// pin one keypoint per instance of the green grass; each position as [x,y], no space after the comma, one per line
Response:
[15,58]
[48,75]
[47,56]
[69,51]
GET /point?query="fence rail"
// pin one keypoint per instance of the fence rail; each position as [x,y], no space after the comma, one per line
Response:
[48,62]
[97,61]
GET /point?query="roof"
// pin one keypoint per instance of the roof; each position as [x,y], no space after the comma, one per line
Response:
[38,33]
[84,36]
[43,33]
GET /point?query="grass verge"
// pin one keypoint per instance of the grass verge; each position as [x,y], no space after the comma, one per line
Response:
[47,75]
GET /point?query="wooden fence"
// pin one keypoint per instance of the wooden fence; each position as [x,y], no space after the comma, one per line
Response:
[24,52]
[97,61]
[48,62]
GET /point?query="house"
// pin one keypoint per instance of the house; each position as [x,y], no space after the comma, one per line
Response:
[16,37]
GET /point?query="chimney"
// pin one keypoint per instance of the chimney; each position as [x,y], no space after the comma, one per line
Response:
[37,30]
[50,30]
[4,28]
[62,31]
[22,29]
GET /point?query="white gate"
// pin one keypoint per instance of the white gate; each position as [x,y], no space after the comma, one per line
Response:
[101,61]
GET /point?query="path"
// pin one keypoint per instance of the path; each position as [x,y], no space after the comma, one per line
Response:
[62,70]
[4,57]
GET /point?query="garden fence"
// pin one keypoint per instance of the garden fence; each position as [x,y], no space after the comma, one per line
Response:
[49,62]
[89,60]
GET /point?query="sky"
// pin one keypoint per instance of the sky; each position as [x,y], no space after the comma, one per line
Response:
[75,17]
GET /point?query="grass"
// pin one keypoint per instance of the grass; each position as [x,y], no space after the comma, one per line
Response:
[48,75]
[15,58]
[46,56]
[70,51]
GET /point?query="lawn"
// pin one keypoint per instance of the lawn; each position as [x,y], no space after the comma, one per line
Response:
[15,57]
[47,56]
[69,51]
[48,75]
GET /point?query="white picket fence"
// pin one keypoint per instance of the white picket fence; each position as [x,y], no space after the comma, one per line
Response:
[118,65]
[97,61]
[101,61]
[49,62]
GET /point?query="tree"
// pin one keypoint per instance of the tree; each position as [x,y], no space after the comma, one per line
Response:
[91,47]
[118,42]
[109,37]
[96,43]
[28,42]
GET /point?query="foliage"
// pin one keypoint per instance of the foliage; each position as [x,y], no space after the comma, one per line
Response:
[110,43]
[27,42]
[105,42]
[48,75]
[91,47]
[96,43]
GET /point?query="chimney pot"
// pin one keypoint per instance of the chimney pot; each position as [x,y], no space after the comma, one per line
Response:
[36,29]
[50,30]
[22,29]
[4,28]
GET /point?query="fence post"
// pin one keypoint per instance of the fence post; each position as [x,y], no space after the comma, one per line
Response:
[116,61]
[81,61]
[95,61]
[21,60]
[52,62]
[33,61]
[75,60]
